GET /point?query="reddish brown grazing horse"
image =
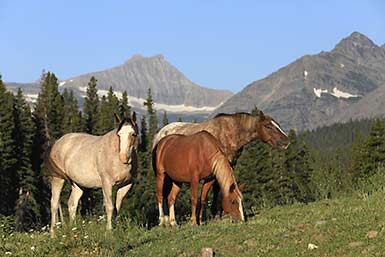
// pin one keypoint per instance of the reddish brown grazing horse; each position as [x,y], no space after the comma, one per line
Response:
[192,159]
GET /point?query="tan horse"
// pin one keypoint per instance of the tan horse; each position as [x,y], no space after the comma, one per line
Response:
[88,161]
[192,159]
[233,131]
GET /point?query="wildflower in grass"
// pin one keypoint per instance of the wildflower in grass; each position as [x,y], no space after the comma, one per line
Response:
[86,236]
[64,236]
[74,228]
[8,253]
[33,248]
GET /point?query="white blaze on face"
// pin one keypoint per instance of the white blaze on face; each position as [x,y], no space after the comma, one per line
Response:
[125,135]
[278,127]
[241,208]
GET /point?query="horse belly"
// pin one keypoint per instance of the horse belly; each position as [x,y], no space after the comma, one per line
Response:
[83,171]
[85,178]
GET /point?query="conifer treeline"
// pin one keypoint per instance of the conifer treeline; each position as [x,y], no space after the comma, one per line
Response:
[319,164]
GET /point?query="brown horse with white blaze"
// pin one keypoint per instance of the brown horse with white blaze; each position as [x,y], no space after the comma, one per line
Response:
[88,161]
[192,159]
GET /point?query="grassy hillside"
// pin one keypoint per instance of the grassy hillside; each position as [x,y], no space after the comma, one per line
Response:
[350,226]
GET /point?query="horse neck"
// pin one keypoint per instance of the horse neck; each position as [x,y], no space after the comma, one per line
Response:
[223,172]
[243,128]
[112,139]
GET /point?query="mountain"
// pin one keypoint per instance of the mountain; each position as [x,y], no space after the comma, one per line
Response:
[170,88]
[316,90]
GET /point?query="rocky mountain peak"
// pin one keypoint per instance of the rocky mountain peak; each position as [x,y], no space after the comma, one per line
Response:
[134,58]
[356,45]
[383,46]
[316,90]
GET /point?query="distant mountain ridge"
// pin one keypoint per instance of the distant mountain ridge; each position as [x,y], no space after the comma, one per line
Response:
[315,90]
[168,85]
[170,88]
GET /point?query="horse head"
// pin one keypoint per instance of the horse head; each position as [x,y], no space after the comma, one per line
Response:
[232,202]
[271,133]
[128,137]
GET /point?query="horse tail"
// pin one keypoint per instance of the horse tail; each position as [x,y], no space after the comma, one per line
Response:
[51,168]
[154,158]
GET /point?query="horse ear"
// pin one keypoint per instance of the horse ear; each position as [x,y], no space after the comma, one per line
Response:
[133,117]
[117,118]
[232,187]
[242,187]
[261,115]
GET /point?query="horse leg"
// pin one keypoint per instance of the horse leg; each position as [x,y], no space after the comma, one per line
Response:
[73,201]
[107,196]
[171,201]
[56,187]
[159,195]
[194,184]
[214,206]
[120,194]
[205,189]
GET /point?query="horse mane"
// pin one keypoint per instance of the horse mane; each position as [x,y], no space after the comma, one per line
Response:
[222,114]
[246,119]
[223,172]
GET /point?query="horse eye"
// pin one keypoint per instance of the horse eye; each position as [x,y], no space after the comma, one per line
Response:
[232,201]
[134,135]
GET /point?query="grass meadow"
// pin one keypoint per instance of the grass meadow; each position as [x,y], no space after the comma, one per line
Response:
[347,226]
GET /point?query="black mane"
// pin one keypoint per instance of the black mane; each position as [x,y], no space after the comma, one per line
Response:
[231,114]
[128,121]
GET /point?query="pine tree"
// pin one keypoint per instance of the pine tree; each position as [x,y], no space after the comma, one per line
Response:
[91,104]
[152,120]
[180,119]
[72,121]
[298,165]
[360,157]
[108,106]
[125,109]
[27,209]
[165,119]
[48,118]
[375,148]
[49,108]
[7,151]
[103,122]
[143,135]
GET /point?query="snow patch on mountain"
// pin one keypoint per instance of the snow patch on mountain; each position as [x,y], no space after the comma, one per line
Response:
[318,92]
[336,93]
[138,102]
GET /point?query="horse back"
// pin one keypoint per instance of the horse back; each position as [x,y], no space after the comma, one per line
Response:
[186,154]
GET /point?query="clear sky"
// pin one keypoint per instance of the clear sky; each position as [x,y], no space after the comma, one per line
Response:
[217,44]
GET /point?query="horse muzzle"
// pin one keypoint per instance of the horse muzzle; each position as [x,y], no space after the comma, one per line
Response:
[126,157]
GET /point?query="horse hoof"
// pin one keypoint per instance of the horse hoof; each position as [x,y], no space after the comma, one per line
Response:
[173,223]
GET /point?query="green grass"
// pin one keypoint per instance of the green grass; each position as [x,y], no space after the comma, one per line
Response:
[338,227]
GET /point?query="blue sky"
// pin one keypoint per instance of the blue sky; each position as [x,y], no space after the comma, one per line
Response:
[217,44]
